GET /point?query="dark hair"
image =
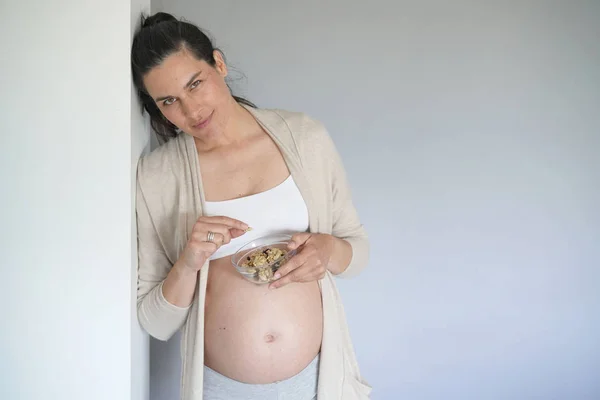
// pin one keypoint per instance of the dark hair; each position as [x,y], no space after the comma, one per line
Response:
[157,37]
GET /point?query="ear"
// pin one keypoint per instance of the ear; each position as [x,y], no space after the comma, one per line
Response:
[220,65]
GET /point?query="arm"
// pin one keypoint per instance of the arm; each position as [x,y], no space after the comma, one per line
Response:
[341,256]
[318,252]
[351,249]
[164,293]
[345,251]
[180,285]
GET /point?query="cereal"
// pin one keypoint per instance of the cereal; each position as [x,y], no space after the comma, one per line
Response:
[262,263]
[265,274]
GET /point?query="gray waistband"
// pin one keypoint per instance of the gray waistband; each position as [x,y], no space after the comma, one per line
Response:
[302,386]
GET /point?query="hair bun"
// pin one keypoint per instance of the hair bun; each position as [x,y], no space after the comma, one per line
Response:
[157,19]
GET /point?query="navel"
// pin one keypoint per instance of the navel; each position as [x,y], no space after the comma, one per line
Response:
[269,338]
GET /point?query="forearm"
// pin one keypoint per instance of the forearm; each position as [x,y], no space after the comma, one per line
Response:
[179,285]
[341,256]
[163,307]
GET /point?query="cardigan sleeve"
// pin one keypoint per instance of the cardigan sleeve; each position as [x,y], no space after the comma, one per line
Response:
[156,315]
[346,222]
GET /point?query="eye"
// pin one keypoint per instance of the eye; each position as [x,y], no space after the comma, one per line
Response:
[169,101]
[195,84]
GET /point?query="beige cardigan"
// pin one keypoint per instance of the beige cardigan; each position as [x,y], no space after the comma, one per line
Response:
[169,200]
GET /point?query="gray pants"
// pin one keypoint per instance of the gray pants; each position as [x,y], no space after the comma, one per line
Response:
[300,387]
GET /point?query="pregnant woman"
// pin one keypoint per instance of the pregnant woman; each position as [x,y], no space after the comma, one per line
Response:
[225,166]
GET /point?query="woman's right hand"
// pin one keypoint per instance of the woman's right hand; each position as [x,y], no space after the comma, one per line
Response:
[199,249]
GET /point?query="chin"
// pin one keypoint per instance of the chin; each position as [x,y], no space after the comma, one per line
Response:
[206,132]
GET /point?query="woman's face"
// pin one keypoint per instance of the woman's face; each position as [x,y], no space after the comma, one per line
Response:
[191,94]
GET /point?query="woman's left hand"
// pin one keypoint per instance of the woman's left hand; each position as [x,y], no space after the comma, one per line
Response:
[311,261]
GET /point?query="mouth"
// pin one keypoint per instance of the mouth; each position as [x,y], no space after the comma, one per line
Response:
[203,123]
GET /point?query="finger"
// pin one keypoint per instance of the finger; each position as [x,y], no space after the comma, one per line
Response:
[217,239]
[229,222]
[298,240]
[235,232]
[304,273]
[221,229]
[293,263]
[286,280]
[204,228]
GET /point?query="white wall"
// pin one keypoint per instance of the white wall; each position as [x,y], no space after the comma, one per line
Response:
[140,143]
[471,136]
[69,141]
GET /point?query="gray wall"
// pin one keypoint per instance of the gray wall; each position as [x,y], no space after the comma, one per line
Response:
[471,135]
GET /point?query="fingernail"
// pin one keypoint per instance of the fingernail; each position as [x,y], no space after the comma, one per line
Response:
[276,276]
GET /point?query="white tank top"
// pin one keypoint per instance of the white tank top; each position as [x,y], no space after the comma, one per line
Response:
[280,210]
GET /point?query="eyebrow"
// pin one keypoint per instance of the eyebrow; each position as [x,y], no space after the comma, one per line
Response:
[186,86]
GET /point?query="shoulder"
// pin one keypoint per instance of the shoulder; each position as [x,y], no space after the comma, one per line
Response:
[306,132]
[301,124]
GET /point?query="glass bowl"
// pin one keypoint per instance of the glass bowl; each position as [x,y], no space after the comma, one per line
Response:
[258,260]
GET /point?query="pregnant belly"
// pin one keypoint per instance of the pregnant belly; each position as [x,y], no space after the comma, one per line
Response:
[257,335]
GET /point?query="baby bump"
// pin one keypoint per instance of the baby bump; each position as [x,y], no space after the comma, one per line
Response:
[257,335]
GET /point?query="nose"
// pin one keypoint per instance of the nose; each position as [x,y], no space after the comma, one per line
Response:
[192,109]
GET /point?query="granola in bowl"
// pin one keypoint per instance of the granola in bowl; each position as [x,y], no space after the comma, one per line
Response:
[258,260]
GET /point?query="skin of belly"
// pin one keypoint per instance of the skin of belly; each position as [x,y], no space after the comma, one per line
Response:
[258,335]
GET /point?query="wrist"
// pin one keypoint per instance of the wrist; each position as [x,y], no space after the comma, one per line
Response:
[341,254]
[183,271]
